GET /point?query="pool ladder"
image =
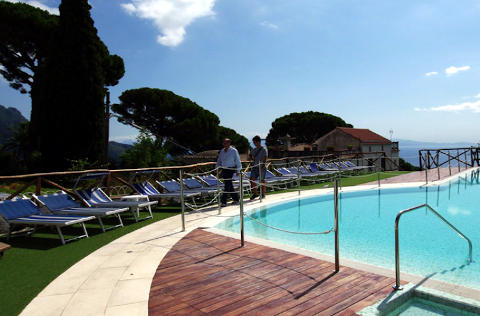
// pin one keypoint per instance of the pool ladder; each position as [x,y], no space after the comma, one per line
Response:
[397,285]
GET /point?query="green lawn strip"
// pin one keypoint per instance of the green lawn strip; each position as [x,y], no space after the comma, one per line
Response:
[34,261]
[347,180]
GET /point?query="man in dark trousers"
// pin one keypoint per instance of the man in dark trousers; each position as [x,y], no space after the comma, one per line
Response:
[229,163]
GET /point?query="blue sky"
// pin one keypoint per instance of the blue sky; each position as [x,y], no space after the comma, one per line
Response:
[409,66]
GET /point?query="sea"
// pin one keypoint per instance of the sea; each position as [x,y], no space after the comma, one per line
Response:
[409,149]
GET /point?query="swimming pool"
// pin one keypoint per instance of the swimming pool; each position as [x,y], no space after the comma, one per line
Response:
[428,247]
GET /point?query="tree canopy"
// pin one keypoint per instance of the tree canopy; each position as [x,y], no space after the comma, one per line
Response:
[240,142]
[170,116]
[63,64]
[26,34]
[303,127]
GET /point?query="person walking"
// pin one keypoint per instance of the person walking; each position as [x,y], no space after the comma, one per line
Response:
[229,163]
[259,157]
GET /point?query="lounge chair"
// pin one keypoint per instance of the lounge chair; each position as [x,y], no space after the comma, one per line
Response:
[303,172]
[193,184]
[328,166]
[313,166]
[97,198]
[63,204]
[286,173]
[211,181]
[354,166]
[172,186]
[146,188]
[23,212]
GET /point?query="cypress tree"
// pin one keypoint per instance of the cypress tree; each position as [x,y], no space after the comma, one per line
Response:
[72,119]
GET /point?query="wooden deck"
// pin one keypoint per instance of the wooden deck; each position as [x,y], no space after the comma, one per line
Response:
[209,274]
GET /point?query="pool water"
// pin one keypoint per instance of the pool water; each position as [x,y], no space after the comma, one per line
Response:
[428,247]
[421,307]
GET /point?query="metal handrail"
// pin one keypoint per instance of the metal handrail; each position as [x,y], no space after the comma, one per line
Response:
[397,252]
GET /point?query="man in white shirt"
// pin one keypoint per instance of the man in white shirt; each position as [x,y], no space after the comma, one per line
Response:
[229,163]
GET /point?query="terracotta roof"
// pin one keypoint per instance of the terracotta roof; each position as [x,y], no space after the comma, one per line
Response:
[365,135]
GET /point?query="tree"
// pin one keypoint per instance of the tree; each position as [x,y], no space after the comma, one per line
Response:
[145,152]
[58,60]
[169,116]
[26,34]
[240,142]
[73,114]
[304,127]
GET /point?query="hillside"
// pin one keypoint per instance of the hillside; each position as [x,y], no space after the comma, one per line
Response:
[10,118]
[115,151]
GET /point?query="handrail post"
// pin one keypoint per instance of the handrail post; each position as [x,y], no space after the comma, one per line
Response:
[337,255]
[449,163]
[242,228]
[426,175]
[458,160]
[218,193]
[182,200]
[397,285]
[378,172]
[298,177]
[260,188]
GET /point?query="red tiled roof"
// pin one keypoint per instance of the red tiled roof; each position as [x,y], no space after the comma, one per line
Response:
[365,135]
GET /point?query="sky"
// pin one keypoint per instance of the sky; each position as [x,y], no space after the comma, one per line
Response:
[412,67]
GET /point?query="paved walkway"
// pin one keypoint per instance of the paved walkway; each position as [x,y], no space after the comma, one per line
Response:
[116,279]
[419,176]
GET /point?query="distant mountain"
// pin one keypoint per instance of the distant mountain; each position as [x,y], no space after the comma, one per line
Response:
[115,151]
[10,118]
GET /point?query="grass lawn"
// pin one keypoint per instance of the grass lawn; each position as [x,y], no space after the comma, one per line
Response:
[33,262]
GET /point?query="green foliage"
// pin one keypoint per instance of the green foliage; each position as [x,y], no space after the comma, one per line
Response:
[304,127]
[406,166]
[65,67]
[145,152]
[240,142]
[169,116]
[72,114]
[25,39]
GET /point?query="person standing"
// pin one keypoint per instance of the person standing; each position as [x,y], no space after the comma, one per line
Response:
[259,157]
[229,163]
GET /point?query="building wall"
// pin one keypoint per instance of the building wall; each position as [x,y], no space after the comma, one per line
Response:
[339,141]
[388,149]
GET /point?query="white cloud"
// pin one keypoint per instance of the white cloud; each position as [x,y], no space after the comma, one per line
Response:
[269,25]
[466,106]
[477,96]
[38,4]
[171,17]
[453,70]
[431,73]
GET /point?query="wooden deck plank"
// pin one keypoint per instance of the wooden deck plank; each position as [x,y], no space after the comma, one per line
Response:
[209,274]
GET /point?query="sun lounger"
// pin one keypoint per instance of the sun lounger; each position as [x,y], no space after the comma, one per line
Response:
[97,198]
[196,185]
[286,173]
[328,166]
[173,187]
[146,188]
[354,166]
[24,212]
[211,181]
[315,170]
[63,204]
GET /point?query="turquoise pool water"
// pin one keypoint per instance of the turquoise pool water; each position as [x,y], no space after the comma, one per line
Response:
[422,307]
[428,247]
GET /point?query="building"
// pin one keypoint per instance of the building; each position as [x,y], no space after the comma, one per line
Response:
[371,146]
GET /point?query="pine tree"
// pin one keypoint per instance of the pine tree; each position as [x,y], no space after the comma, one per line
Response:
[72,119]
